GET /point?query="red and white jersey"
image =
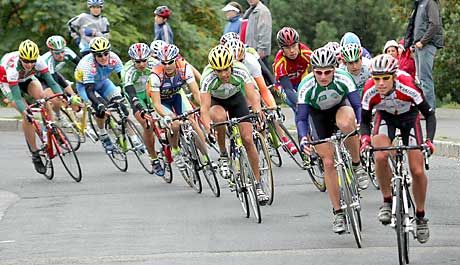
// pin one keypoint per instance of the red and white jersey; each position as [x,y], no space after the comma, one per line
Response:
[401,100]
[15,73]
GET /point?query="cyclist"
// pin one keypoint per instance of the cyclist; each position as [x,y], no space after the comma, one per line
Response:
[222,86]
[165,87]
[355,64]
[134,76]
[250,61]
[351,37]
[56,57]
[325,94]
[92,76]
[291,63]
[86,26]
[20,69]
[336,49]
[398,102]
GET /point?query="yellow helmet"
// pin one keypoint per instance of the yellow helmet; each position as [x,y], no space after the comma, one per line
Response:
[220,57]
[99,44]
[28,50]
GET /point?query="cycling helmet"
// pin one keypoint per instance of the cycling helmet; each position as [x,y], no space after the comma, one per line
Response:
[351,52]
[99,44]
[56,43]
[384,64]
[237,48]
[334,47]
[287,36]
[28,50]
[322,58]
[220,57]
[229,36]
[95,3]
[168,52]
[162,11]
[348,38]
[156,46]
[139,51]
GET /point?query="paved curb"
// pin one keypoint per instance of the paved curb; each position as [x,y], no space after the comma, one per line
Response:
[10,124]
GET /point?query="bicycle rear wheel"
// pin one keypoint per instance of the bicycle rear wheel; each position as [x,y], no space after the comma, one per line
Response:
[73,133]
[43,151]
[353,216]
[164,155]
[66,153]
[315,170]
[190,174]
[140,150]
[117,156]
[265,167]
[206,165]
[297,157]
[402,236]
[247,177]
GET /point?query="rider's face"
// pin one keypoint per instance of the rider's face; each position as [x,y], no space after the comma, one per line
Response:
[28,65]
[102,58]
[324,76]
[354,68]
[224,75]
[291,52]
[95,10]
[170,67]
[383,83]
[58,56]
[140,64]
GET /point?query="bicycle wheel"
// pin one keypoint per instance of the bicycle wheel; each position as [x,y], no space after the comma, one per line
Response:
[73,133]
[140,150]
[43,151]
[66,153]
[297,157]
[315,170]
[402,236]
[247,177]
[163,153]
[117,156]
[265,167]
[190,174]
[370,169]
[273,145]
[206,166]
[351,210]
[92,124]
[240,189]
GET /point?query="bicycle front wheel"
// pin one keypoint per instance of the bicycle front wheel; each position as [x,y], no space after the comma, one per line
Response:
[351,211]
[117,156]
[136,140]
[190,173]
[66,153]
[315,170]
[247,176]
[297,155]
[72,132]
[265,166]
[164,155]
[402,236]
[207,168]
[273,144]
[43,151]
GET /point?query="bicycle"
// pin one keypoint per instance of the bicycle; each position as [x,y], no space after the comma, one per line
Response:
[402,218]
[80,124]
[312,163]
[52,141]
[349,194]
[195,158]
[367,160]
[241,172]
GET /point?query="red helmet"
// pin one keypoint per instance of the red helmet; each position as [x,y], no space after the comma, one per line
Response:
[162,11]
[287,36]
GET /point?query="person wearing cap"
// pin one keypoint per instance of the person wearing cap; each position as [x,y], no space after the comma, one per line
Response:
[391,48]
[162,30]
[233,14]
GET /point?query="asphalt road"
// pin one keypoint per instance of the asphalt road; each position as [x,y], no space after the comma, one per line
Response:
[134,218]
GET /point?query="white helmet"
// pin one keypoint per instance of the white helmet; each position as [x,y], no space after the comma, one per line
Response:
[229,36]
[237,48]
[156,46]
[384,64]
[168,52]
[139,51]
[322,58]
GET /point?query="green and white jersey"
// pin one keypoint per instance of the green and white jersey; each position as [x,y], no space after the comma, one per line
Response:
[210,82]
[132,76]
[53,65]
[323,98]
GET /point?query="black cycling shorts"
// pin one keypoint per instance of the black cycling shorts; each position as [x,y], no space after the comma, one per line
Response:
[407,123]
[323,121]
[235,105]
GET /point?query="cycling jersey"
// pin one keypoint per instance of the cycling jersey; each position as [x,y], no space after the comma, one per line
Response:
[294,69]
[54,66]
[169,86]
[363,75]
[83,25]
[131,76]
[252,64]
[89,71]
[311,94]
[210,82]
[404,101]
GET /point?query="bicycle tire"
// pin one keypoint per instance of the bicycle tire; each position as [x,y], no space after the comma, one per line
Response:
[315,171]
[351,213]
[240,189]
[207,167]
[298,157]
[141,153]
[401,235]
[265,166]
[190,174]
[74,131]
[164,154]
[92,123]
[370,170]
[275,155]
[42,149]
[65,150]
[117,156]
[248,179]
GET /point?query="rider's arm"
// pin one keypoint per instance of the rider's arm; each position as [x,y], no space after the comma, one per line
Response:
[17,98]
[132,98]
[92,95]
[192,83]
[355,102]
[266,95]
[286,83]
[302,122]
[193,86]
[51,83]
[253,96]
[430,118]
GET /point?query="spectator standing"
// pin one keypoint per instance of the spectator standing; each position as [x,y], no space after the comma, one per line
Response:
[259,29]
[233,14]
[162,30]
[425,33]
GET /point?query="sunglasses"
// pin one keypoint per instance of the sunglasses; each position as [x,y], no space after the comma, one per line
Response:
[140,61]
[325,72]
[168,62]
[28,61]
[102,54]
[381,77]
[57,52]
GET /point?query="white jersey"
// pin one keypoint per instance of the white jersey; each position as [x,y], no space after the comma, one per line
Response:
[363,75]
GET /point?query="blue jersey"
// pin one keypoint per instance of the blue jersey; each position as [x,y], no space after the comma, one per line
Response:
[88,71]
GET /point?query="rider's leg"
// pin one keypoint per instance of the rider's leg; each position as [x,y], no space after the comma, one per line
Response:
[148,135]
[326,152]
[248,142]
[345,120]
[382,168]
[35,92]
[218,114]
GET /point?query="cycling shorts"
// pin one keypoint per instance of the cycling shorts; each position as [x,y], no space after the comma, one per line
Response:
[407,123]
[324,121]
[235,105]
[105,89]
[177,104]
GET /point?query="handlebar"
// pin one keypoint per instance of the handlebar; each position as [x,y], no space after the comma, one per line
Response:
[400,148]
[234,121]
[336,136]
[184,116]
[40,102]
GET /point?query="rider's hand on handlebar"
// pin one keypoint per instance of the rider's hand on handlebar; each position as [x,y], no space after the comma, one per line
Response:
[430,146]
[306,146]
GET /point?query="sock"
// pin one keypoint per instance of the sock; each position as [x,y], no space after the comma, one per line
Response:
[336,211]
[102,131]
[388,199]
[420,214]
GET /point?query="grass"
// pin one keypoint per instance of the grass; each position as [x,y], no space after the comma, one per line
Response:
[451,105]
